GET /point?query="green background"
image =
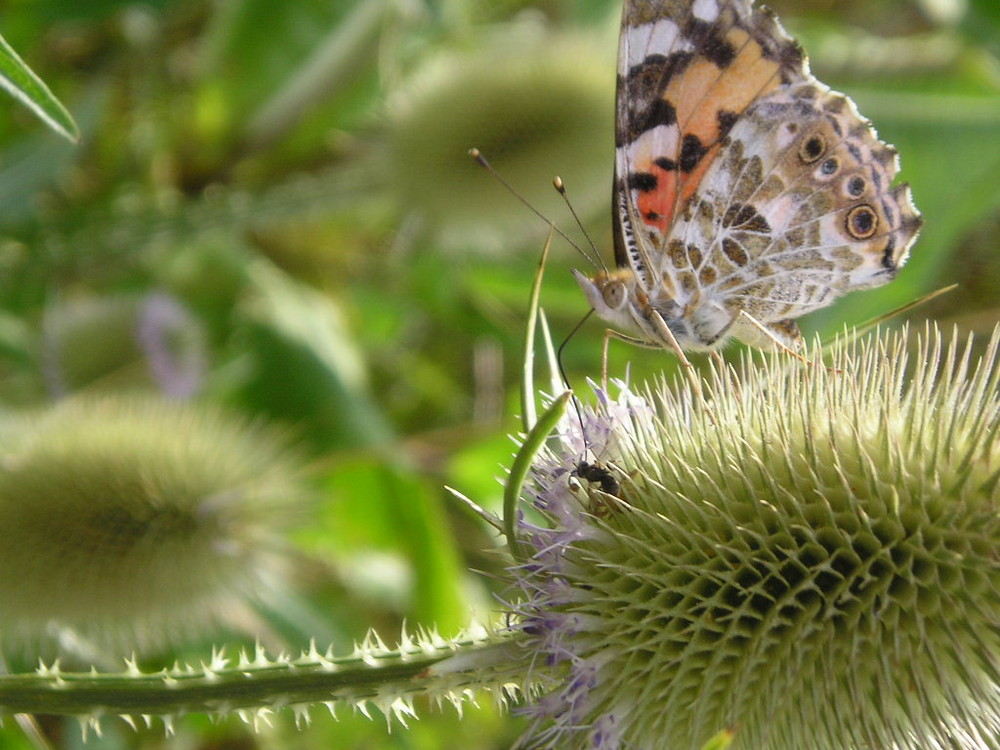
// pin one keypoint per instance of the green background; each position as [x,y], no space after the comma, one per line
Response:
[295,176]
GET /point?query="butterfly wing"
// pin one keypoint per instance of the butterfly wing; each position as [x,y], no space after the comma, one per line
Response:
[687,71]
[799,209]
[743,184]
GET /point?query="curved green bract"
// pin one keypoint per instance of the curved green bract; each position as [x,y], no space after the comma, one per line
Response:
[527,382]
[519,470]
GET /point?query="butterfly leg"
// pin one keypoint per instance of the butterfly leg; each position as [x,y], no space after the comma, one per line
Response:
[661,327]
[784,334]
[667,336]
[608,334]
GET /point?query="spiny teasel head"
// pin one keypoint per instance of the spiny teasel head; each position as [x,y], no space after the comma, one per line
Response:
[133,520]
[808,557]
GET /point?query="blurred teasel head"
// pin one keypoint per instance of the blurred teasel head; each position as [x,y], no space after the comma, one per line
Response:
[534,102]
[807,557]
[133,521]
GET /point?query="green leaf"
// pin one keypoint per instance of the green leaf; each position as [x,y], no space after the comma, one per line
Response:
[307,370]
[374,513]
[19,80]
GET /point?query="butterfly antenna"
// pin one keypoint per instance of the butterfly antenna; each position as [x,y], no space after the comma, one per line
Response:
[478,157]
[558,184]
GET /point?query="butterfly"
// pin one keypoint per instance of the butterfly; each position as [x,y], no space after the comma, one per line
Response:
[746,192]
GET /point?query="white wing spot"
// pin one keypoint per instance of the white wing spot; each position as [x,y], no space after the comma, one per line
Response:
[706,10]
[663,36]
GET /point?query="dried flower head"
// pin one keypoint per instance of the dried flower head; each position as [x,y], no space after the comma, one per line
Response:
[808,557]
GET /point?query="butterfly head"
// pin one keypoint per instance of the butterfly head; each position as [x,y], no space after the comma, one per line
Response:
[612,294]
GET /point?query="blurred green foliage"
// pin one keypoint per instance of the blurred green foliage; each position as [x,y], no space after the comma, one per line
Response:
[294,177]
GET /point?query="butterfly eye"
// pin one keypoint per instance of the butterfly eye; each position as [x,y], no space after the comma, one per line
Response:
[862,221]
[856,186]
[812,148]
[613,294]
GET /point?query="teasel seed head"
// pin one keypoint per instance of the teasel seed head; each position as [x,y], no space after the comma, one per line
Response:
[807,557]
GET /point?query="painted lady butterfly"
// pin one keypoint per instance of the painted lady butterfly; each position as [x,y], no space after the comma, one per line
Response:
[746,192]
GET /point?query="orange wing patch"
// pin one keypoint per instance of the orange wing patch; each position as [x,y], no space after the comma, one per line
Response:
[706,97]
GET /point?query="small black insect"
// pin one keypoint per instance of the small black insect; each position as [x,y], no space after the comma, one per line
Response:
[594,473]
